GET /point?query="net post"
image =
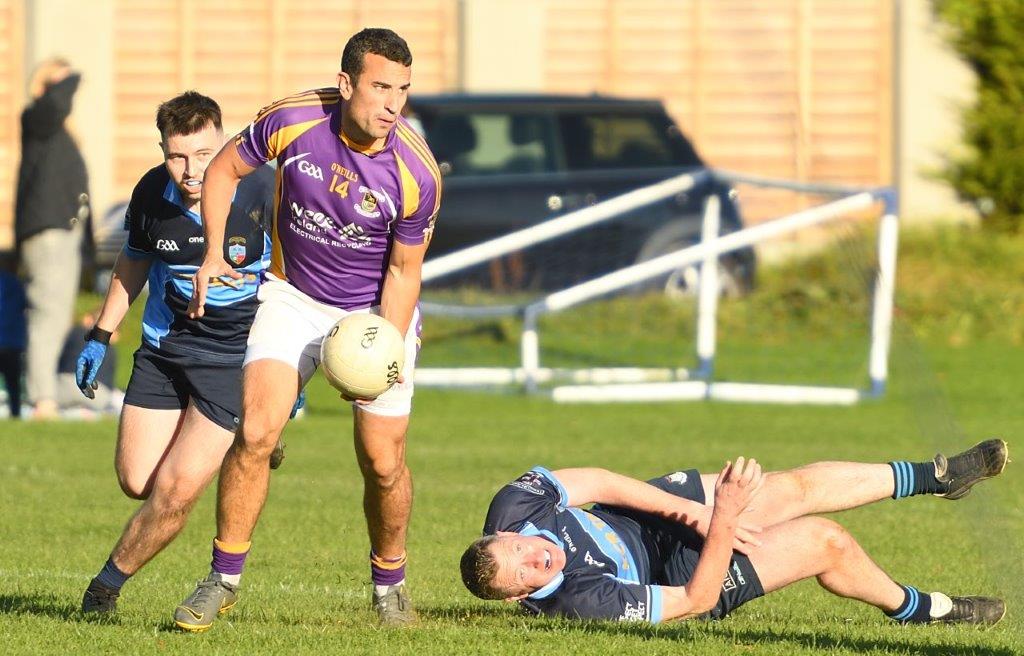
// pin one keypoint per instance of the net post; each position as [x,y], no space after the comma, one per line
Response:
[529,348]
[707,290]
[885,282]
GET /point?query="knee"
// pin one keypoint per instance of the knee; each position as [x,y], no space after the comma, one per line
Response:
[797,485]
[835,541]
[384,470]
[134,486]
[258,434]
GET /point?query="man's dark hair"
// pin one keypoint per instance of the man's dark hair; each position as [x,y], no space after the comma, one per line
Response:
[377,41]
[479,568]
[187,114]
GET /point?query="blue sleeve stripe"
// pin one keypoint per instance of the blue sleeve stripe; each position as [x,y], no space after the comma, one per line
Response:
[135,253]
[654,608]
[563,495]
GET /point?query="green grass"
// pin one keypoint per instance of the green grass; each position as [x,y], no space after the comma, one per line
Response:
[306,587]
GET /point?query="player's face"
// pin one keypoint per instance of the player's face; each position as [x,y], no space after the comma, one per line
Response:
[186,157]
[525,563]
[375,99]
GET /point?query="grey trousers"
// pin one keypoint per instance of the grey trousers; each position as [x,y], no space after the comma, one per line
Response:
[51,262]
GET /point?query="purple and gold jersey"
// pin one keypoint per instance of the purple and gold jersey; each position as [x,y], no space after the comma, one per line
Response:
[340,205]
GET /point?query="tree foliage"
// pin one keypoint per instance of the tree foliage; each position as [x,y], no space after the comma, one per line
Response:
[989,36]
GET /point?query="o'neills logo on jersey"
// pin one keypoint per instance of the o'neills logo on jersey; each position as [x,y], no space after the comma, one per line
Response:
[344,172]
[236,249]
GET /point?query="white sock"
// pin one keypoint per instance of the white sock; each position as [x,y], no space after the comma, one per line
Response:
[941,605]
[233,579]
[382,589]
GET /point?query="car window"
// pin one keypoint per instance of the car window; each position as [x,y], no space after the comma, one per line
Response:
[490,143]
[623,141]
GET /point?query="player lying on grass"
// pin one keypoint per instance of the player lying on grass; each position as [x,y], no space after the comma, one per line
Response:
[653,551]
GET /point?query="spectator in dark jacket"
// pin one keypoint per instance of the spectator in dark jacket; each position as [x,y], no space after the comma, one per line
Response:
[51,209]
[12,331]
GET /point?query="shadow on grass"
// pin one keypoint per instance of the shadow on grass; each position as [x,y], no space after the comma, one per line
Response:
[46,606]
[688,632]
[459,613]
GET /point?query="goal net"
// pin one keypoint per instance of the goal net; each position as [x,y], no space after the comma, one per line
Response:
[794,309]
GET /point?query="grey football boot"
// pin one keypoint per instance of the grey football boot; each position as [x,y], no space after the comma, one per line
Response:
[394,607]
[964,470]
[212,597]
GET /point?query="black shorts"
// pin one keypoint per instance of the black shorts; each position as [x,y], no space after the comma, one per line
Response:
[680,550]
[165,381]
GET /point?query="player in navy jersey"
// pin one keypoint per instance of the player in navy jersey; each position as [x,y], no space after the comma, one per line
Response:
[358,193]
[183,400]
[686,545]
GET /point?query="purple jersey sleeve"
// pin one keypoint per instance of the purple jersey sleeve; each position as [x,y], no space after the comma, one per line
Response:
[277,124]
[421,186]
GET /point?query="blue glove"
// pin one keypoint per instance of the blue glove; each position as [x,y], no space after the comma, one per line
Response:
[89,361]
[299,403]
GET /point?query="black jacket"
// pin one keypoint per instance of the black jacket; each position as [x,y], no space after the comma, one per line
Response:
[52,180]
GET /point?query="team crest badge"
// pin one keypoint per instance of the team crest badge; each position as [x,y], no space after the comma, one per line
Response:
[368,205]
[236,249]
[679,478]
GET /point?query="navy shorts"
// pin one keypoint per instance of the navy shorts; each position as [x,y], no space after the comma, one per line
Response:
[166,381]
[680,549]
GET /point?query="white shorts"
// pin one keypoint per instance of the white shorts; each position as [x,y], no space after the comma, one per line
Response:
[290,325]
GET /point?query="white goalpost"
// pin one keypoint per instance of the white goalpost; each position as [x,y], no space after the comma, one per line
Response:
[623,384]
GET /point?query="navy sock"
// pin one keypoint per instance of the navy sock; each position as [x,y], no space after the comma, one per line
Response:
[914,478]
[915,607]
[111,576]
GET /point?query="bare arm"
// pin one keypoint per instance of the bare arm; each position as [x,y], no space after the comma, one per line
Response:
[219,184]
[127,280]
[737,486]
[402,284]
[592,485]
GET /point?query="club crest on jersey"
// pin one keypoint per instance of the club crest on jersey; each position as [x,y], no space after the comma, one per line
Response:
[679,478]
[236,249]
[368,205]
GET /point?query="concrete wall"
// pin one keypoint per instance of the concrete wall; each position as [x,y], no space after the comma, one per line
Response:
[502,45]
[934,85]
[82,33]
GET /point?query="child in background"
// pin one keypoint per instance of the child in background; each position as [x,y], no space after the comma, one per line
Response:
[12,331]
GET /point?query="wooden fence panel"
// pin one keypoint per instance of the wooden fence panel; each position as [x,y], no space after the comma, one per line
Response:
[247,53]
[797,89]
[12,99]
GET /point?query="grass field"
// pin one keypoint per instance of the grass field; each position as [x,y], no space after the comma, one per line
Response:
[306,587]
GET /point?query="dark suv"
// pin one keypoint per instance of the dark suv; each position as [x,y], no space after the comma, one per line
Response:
[511,161]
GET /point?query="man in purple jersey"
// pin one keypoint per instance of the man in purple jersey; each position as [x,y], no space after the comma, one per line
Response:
[357,196]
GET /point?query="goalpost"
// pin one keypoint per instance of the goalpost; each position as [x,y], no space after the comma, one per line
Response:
[623,384]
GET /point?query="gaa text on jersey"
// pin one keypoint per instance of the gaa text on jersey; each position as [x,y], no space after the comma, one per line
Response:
[312,170]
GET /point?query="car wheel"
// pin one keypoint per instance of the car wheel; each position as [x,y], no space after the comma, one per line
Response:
[684,282]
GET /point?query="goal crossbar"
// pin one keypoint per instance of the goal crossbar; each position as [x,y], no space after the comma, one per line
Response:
[605,384]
